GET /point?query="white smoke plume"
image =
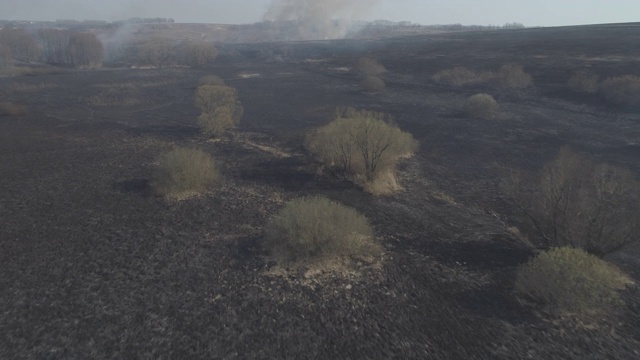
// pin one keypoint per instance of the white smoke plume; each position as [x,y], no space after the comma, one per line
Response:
[318,19]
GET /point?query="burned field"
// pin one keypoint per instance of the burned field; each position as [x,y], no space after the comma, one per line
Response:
[96,265]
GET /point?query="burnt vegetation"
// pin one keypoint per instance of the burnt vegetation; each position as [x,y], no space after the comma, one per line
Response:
[211,194]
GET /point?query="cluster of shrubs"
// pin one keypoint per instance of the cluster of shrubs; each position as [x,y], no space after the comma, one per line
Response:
[371,72]
[619,90]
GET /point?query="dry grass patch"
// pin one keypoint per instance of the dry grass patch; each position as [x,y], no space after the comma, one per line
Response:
[316,229]
[623,90]
[462,76]
[571,280]
[583,81]
[481,106]
[22,87]
[12,109]
[184,172]
[210,80]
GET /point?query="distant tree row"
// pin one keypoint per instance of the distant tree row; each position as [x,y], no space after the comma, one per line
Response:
[160,52]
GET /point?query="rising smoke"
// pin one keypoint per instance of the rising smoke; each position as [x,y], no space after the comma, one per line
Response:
[317,19]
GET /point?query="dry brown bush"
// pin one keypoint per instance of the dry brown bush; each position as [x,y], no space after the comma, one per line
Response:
[200,53]
[481,106]
[575,202]
[360,144]
[368,66]
[513,76]
[210,80]
[11,109]
[571,280]
[219,107]
[583,81]
[373,84]
[316,228]
[622,90]
[184,172]
[461,76]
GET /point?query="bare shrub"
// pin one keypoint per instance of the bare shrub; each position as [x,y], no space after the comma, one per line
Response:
[200,53]
[184,172]
[576,202]
[570,280]
[219,107]
[316,228]
[461,76]
[513,76]
[622,90]
[6,57]
[360,144]
[12,109]
[368,66]
[481,106]
[373,84]
[583,81]
[210,80]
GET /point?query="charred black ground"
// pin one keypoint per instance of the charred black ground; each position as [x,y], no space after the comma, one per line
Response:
[95,265]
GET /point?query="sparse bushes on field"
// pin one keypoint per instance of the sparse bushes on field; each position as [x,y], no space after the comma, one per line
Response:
[184,172]
[583,81]
[461,76]
[219,107]
[360,144]
[513,76]
[481,106]
[373,84]
[12,109]
[576,202]
[570,280]
[316,228]
[623,90]
[210,80]
[368,66]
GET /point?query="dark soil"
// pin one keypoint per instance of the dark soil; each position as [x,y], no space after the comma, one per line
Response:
[96,265]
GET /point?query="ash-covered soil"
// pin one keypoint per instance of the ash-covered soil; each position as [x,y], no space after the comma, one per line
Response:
[95,265]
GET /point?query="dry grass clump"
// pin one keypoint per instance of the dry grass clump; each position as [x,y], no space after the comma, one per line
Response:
[210,80]
[119,94]
[313,229]
[481,106]
[361,145]
[12,109]
[583,81]
[513,76]
[184,172]
[462,76]
[219,107]
[623,90]
[368,66]
[373,84]
[575,202]
[570,280]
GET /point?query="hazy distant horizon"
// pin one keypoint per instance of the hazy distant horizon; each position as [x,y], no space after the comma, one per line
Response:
[468,12]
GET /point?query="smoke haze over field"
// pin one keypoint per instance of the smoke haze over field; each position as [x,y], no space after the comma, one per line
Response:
[318,19]
[496,12]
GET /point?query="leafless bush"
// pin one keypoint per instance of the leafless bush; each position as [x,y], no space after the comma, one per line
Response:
[513,76]
[571,280]
[481,106]
[360,144]
[461,76]
[373,84]
[11,109]
[313,228]
[184,172]
[368,66]
[622,90]
[219,107]
[583,81]
[200,53]
[576,202]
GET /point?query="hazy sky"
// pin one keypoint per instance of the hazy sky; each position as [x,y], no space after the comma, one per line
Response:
[483,12]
